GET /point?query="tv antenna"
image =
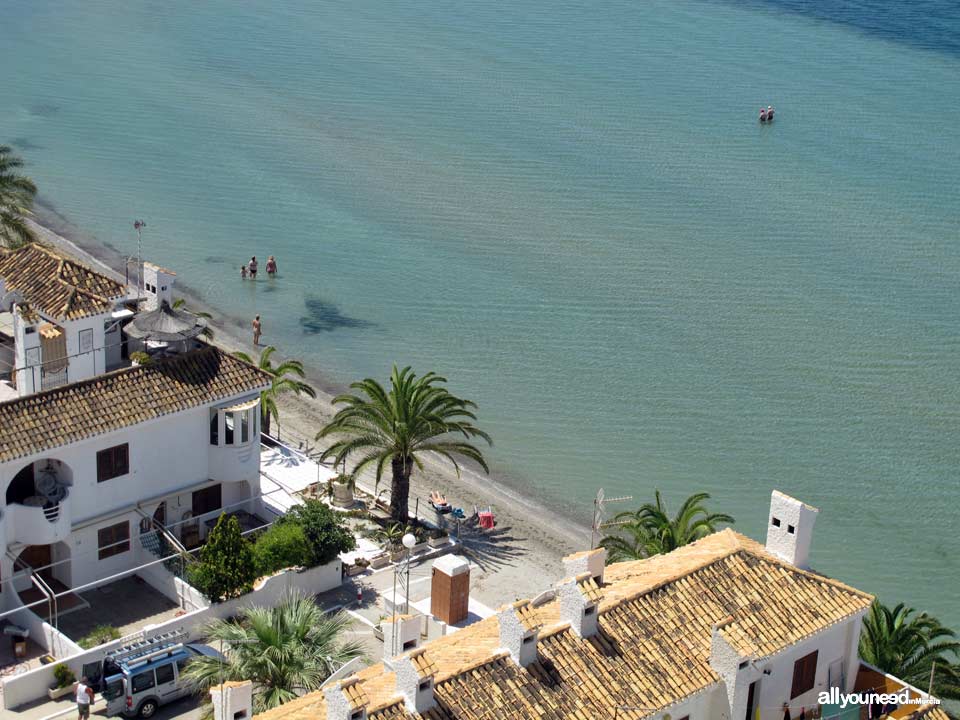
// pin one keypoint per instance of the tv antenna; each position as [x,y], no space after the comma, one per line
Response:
[599,515]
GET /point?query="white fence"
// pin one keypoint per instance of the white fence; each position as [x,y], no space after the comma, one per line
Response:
[31,685]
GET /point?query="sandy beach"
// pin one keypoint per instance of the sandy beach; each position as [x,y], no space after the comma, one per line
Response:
[519,559]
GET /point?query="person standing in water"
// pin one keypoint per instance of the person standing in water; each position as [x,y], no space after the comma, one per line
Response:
[256,330]
[252,267]
[271,266]
[243,272]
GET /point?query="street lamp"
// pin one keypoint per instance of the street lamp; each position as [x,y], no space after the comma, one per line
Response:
[401,574]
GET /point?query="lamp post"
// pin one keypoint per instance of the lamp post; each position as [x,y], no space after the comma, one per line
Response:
[139,225]
[401,574]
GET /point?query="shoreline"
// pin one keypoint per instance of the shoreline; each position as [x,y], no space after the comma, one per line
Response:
[518,560]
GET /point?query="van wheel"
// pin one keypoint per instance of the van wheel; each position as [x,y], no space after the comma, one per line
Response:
[148,708]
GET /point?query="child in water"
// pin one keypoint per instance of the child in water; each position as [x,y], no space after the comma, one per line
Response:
[243,272]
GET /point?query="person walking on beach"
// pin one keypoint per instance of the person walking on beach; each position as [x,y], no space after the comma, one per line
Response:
[271,266]
[256,330]
[243,272]
[84,698]
[252,267]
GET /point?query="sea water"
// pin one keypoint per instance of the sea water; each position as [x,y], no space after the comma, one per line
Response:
[570,210]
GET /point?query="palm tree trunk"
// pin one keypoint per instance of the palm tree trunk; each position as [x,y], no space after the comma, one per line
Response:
[400,489]
[265,423]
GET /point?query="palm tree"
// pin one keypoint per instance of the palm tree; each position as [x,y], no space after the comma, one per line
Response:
[416,417]
[651,531]
[16,201]
[281,384]
[907,646]
[207,331]
[286,650]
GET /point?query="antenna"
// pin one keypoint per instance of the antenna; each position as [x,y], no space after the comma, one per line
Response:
[599,508]
[139,225]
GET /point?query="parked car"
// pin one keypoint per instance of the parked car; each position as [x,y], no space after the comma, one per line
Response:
[138,679]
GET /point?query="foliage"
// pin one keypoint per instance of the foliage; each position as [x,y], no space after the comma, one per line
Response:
[16,201]
[63,675]
[907,645]
[226,568]
[140,357]
[650,530]
[391,535]
[98,636]
[284,380]
[207,332]
[326,534]
[287,651]
[416,416]
[283,545]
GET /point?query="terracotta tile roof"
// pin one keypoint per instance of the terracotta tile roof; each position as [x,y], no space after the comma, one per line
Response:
[58,286]
[118,399]
[653,648]
[589,588]
[424,664]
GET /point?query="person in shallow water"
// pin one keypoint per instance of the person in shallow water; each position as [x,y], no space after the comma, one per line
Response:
[243,272]
[256,330]
[271,266]
[252,267]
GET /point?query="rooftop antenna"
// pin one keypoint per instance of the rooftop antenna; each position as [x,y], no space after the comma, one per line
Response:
[599,509]
[139,225]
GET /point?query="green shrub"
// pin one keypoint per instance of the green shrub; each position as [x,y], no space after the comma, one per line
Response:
[283,545]
[226,568]
[326,534]
[64,675]
[98,636]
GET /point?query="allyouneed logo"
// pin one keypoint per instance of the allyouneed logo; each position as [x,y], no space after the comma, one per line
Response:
[835,697]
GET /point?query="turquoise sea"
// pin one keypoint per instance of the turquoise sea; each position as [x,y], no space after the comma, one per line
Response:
[570,210]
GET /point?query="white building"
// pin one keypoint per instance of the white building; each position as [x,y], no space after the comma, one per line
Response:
[723,629]
[93,459]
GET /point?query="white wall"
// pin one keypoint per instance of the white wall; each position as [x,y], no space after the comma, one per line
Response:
[20,689]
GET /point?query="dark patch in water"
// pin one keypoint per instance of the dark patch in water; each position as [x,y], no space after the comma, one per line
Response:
[928,24]
[44,109]
[215,260]
[323,316]
[109,245]
[22,143]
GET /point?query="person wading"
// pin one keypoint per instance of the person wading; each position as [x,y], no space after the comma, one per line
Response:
[256,330]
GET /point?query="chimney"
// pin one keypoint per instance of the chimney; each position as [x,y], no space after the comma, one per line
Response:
[591,561]
[734,667]
[580,604]
[790,529]
[232,700]
[519,628]
[414,672]
[401,633]
[346,700]
[157,285]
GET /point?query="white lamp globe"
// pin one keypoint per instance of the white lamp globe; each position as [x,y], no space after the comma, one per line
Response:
[408,540]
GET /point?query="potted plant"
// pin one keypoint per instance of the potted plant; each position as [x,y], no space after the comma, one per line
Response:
[139,358]
[64,679]
[438,538]
[342,490]
[358,566]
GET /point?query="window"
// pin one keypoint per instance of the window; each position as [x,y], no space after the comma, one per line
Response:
[589,610]
[791,529]
[113,462]
[228,428]
[165,674]
[113,540]
[425,685]
[804,674]
[409,645]
[775,522]
[244,426]
[207,500]
[214,427]
[143,681]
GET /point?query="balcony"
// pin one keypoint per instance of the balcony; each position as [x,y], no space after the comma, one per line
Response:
[36,520]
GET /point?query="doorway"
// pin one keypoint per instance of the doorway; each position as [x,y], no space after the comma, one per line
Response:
[751,700]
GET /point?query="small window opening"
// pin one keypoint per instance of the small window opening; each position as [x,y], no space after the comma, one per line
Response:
[744,664]
[776,522]
[239,715]
[589,610]
[409,644]
[356,715]
[29,330]
[791,529]
[424,685]
[528,639]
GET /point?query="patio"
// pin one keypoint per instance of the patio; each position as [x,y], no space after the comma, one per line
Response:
[126,604]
